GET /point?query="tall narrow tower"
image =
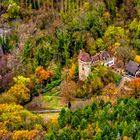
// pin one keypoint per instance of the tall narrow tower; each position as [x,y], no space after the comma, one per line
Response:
[84,65]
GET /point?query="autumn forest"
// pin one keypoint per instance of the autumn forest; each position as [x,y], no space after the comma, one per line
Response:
[69,70]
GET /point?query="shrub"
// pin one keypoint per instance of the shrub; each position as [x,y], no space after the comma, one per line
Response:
[13,10]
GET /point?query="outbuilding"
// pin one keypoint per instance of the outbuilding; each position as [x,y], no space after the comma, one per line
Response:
[133,69]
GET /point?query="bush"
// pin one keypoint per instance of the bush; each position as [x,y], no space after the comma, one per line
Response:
[13,10]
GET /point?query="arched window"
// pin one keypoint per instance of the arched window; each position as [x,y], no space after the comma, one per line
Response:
[83,67]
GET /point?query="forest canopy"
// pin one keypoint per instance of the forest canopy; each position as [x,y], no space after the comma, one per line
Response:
[40,69]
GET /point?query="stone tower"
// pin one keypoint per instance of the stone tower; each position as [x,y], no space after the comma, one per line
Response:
[84,65]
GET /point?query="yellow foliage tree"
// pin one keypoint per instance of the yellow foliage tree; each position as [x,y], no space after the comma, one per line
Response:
[125,138]
[21,80]
[137,59]
[20,92]
[7,98]
[72,71]
[9,116]
[26,135]
[14,117]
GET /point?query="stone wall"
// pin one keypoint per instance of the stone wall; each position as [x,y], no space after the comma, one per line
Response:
[84,70]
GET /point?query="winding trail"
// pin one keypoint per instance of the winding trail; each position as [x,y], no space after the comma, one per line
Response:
[75,104]
[46,111]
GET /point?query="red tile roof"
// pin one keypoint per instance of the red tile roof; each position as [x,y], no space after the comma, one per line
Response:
[83,56]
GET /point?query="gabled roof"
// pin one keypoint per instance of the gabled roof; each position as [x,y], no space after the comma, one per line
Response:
[105,55]
[85,57]
[95,58]
[132,67]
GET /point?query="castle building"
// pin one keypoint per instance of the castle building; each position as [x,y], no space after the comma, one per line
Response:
[84,60]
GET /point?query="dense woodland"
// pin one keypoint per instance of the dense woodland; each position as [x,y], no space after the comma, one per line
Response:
[40,41]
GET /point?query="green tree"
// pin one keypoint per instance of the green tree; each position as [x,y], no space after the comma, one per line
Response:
[100,45]
[93,84]
[62,119]
[68,116]
[111,5]
[106,130]
[83,124]
[40,57]
[78,113]
[63,42]
[64,134]
[88,114]
[93,23]
[76,135]
[94,106]
[52,135]
[75,121]
[113,34]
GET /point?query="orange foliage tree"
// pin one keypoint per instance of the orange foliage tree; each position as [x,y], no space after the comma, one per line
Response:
[42,74]
[135,86]
[4,134]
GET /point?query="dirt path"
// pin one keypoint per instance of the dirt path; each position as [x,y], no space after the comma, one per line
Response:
[46,111]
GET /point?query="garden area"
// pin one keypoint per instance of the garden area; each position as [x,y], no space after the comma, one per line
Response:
[45,103]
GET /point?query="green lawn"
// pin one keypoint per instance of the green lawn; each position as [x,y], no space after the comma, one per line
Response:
[53,102]
[43,102]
